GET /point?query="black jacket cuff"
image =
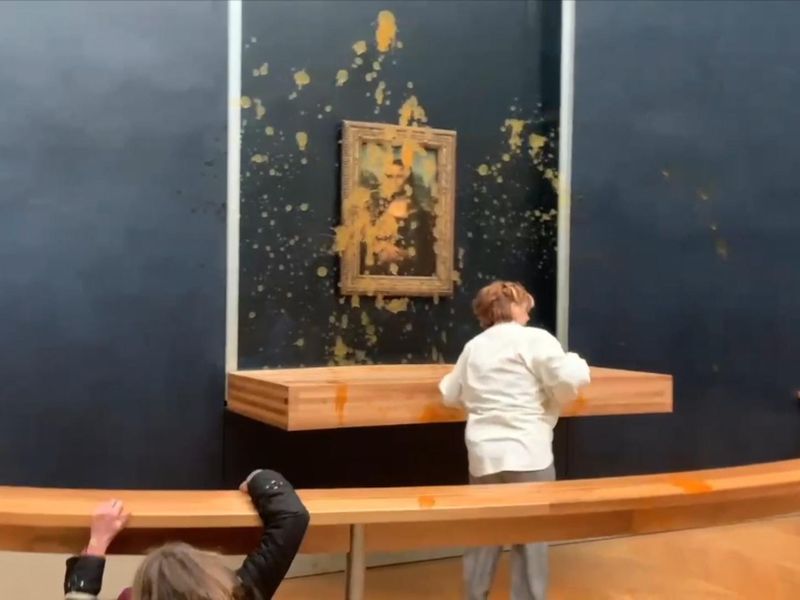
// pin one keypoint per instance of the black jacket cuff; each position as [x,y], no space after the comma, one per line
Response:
[84,574]
[266,484]
[272,496]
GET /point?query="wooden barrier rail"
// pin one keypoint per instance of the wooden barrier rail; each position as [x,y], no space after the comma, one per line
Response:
[376,395]
[389,519]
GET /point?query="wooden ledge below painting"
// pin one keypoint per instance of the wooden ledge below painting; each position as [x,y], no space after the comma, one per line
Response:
[376,395]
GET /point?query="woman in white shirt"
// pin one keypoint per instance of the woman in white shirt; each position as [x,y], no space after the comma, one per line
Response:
[513,382]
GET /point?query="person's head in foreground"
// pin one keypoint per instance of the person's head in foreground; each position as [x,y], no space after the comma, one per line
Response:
[503,302]
[182,572]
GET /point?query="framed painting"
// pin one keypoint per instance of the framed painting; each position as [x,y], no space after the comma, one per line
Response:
[398,208]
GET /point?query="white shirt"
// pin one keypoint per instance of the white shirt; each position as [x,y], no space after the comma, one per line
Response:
[513,382]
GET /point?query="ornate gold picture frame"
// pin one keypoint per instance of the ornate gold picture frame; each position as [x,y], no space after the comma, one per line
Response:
[398,210]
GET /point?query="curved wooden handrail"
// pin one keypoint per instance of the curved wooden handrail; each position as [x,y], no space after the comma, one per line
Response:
[46,519]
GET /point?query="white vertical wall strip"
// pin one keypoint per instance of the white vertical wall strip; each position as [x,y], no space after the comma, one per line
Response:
[234,143]
[565,167]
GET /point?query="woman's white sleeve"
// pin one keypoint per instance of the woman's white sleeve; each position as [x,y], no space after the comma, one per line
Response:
[451,384]
[562,374]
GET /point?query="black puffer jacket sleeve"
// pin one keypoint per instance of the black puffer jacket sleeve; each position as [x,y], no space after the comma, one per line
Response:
[84,577]
[285,522]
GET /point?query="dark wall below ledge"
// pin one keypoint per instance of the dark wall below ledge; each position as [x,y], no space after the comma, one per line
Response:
[359,457]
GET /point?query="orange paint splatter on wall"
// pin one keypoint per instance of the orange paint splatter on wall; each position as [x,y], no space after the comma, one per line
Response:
[370,331]
[537,143]
[302,140]
[302,79]
[396,305]
[340,350]
[514,128]
[260,110]
[386,33]
[552,176]
[380,92]
[412,113]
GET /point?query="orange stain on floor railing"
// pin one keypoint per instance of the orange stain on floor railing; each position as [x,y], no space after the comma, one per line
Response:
[427,501]
[689,485]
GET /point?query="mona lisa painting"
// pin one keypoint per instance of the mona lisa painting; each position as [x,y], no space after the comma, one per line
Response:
[398,196]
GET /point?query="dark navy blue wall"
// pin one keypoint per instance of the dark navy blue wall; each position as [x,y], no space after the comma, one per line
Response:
[685,245]
[112,242]
[112,140]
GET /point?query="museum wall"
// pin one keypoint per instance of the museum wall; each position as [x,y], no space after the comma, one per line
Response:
[112,243]
[684,235]
[112,251]
[488,71]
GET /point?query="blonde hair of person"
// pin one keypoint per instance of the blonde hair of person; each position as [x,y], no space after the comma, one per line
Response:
[179,571]
[493,304]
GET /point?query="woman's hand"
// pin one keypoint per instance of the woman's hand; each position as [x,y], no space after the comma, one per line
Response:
[107,521]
